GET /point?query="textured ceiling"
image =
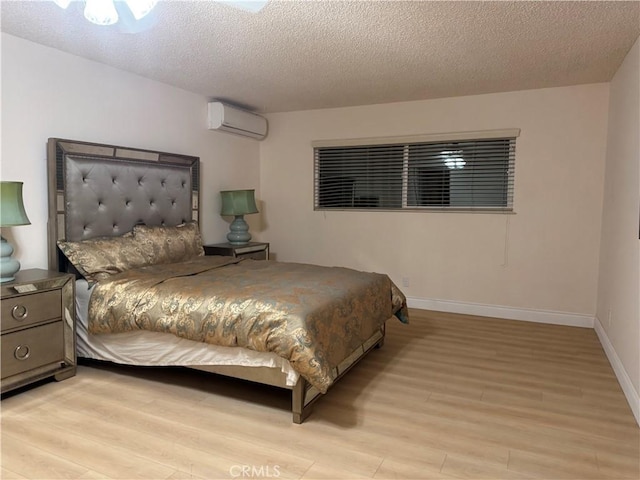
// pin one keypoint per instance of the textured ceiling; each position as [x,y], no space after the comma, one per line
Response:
[298,55]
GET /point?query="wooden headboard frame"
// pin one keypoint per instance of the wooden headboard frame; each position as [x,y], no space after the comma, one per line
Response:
[98,190]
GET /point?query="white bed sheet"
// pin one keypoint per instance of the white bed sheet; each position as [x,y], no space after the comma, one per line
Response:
[162,349]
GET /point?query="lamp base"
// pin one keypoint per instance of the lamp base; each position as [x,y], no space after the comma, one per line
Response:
[8,266]
[239,231]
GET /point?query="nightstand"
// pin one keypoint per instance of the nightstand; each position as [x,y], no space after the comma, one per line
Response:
[253,250]
[38,328]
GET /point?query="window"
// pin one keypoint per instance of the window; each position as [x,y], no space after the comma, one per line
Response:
[428,172]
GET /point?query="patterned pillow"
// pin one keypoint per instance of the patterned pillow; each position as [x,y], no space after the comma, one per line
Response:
[169,244]
[99,258]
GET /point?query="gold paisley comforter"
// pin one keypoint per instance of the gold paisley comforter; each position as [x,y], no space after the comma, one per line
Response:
[310,315]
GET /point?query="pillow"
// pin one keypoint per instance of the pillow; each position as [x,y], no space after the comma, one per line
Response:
[99,258]
[169,244]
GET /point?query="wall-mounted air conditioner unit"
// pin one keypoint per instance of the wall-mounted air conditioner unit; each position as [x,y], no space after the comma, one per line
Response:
[226,118]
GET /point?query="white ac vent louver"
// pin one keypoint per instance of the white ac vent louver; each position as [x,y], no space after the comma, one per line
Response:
[225,118]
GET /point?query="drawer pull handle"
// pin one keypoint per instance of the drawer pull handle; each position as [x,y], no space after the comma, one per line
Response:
[22,352]
[19,312]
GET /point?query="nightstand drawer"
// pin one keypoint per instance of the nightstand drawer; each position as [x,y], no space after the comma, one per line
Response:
[254,250]
[32,348]
[254,255]
[24,310]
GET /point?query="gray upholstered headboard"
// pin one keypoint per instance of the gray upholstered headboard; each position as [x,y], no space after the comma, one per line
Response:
[98,190]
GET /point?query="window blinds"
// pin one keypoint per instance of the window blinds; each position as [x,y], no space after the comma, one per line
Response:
[451,175]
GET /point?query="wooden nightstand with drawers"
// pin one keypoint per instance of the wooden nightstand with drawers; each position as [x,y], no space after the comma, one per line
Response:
[253,250]
[38,328]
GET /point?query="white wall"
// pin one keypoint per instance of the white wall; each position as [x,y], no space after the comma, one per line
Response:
[618,308]
[541,260]
[49,93]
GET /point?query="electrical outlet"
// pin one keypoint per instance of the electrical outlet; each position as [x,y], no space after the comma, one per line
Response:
[405,281]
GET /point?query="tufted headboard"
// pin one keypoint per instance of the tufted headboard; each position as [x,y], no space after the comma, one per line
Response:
[98,190]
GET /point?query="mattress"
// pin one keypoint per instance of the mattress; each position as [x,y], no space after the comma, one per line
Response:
[146,348]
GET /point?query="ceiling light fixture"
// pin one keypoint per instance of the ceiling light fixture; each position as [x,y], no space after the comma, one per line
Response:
[141,8]
[253,6]
[454,159]
[100,12]
[62,3]
[103,12]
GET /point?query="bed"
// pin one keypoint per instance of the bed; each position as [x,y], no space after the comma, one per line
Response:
[126,222]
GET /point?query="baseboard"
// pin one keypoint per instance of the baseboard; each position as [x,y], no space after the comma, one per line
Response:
[621,374]
[499,311]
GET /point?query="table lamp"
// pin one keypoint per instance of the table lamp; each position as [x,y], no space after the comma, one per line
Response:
[238,203]
[12,214]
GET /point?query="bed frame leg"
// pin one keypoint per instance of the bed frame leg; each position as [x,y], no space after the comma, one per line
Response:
[380,343]
[301,406]
[297,402]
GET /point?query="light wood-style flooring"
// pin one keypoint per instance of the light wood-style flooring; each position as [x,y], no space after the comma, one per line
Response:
[448,396]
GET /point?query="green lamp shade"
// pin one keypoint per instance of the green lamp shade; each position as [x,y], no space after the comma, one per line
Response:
[12,211]
[238,202]
[12,214]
